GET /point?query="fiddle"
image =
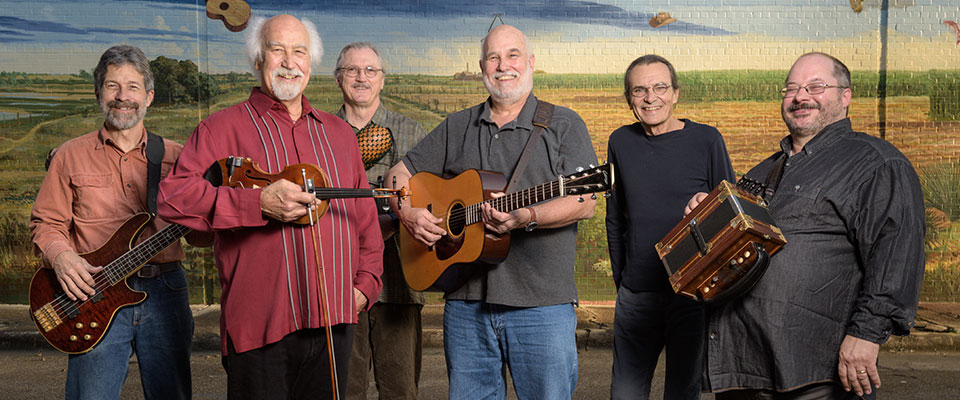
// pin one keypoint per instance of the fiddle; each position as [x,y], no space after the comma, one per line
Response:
[242,172]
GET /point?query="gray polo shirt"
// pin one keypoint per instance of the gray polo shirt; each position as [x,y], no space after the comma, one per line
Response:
[539,269]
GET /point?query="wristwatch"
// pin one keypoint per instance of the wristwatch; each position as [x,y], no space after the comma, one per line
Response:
[533,221]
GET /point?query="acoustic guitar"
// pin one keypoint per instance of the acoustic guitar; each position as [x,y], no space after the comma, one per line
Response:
[445,265]
[235,14]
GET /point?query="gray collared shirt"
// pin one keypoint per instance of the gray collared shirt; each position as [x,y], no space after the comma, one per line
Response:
[406,133]
[852,211]
[539,268]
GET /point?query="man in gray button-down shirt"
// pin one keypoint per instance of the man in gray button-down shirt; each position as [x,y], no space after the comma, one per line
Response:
[849,276]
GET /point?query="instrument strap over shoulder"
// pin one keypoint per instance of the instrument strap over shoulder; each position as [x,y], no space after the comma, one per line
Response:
[773,179]
[154,161]
[541,121]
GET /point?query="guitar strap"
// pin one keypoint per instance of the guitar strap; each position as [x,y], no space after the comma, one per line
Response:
[154,160]
[541,121]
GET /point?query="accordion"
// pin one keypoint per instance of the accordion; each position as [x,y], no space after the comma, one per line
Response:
[722,248]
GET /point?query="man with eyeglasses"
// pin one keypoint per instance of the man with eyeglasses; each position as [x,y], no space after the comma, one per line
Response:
[851,208]
[388,336]
[661,162]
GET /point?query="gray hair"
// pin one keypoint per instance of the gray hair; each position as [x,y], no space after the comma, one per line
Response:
[357,46]
[526,43]
[118,56]
[840,71]
[253,40]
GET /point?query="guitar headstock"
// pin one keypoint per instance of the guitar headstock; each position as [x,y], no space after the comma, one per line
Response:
[595,179]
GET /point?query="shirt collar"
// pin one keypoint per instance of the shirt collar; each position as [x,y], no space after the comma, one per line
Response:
[264,103]
[524,119]
[821,140]
[104,139]
[377,118]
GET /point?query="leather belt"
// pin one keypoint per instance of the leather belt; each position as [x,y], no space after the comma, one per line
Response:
[152,270]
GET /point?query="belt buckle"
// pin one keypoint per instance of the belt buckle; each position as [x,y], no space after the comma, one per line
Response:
[148,271]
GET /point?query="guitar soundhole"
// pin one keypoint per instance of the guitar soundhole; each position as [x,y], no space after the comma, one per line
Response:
[224,6]
[456,219]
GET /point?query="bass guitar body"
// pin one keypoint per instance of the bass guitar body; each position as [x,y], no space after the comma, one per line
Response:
[74,327]
[446,265]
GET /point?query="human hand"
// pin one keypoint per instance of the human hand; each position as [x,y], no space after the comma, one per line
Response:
[501,222]
[359,299]
[285,201]
[694,202]
[75,275]
[858,365]
[422,225]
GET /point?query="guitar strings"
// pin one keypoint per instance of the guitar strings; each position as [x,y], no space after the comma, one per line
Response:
[110,276]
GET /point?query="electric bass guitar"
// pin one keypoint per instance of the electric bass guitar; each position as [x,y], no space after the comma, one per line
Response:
[75,326]
[445,265]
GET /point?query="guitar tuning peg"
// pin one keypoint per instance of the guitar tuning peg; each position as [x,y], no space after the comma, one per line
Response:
[593,196]
[606,195]
[580,199]
[579,169]
[592,166]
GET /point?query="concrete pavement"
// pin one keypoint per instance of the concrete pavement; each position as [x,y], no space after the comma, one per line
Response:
[937,327]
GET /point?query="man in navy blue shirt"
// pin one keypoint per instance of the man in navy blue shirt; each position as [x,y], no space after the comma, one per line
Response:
[662,161]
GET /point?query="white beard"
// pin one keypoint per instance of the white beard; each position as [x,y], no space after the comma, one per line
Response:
[285,90]
[122,122]
[510,96]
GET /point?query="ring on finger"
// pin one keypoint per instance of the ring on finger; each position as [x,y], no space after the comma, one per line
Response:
[862,372]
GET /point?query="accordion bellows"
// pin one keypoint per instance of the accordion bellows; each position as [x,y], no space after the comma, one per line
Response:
[374,141]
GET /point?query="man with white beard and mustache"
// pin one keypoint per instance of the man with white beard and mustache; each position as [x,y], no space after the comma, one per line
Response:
[519,313]
[388,338]
[273,313]
[94,183]
[852,211]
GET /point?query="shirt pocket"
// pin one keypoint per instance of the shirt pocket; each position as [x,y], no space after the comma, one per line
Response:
[92,194]
[796,207]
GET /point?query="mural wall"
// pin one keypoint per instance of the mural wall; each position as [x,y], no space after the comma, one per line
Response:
[732,57]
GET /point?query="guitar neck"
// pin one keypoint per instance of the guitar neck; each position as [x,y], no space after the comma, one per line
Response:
[336,193]
[516,200]
[132,260]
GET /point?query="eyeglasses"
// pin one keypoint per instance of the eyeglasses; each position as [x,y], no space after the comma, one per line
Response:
[641,91]
[811,88]
[352,71]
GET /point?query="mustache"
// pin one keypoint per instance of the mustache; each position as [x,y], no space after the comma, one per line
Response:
[800,106]
[283,71]
[123,104]
[361,85]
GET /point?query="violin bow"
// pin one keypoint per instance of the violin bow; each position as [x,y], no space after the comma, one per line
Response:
[324,304]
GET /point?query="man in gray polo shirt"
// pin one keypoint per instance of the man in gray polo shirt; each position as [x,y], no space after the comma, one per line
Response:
[518,313]
[388,337]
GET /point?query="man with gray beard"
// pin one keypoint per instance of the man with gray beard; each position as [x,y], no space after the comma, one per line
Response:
[285,286]
[93,185]
[518,313]
[851,208]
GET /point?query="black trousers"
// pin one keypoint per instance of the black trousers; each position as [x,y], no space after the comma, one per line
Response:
[296,367]
[816,391]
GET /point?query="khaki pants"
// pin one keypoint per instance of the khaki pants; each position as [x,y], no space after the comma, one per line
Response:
[388,339]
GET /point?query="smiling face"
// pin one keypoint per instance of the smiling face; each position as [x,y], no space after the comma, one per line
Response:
[506,65]
[285,67]
[806,114]
[361,90]
[654,111]
[123,98]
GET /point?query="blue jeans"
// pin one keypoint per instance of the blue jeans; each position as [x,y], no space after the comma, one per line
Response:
[645,322]
[159,330]
[538,344]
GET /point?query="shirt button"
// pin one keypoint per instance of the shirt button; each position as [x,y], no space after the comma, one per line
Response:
[124,159]
[713,335]
[497,136]
[129,185]
[796,188]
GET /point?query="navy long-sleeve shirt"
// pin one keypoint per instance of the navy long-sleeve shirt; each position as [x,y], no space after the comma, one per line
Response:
[655,177]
